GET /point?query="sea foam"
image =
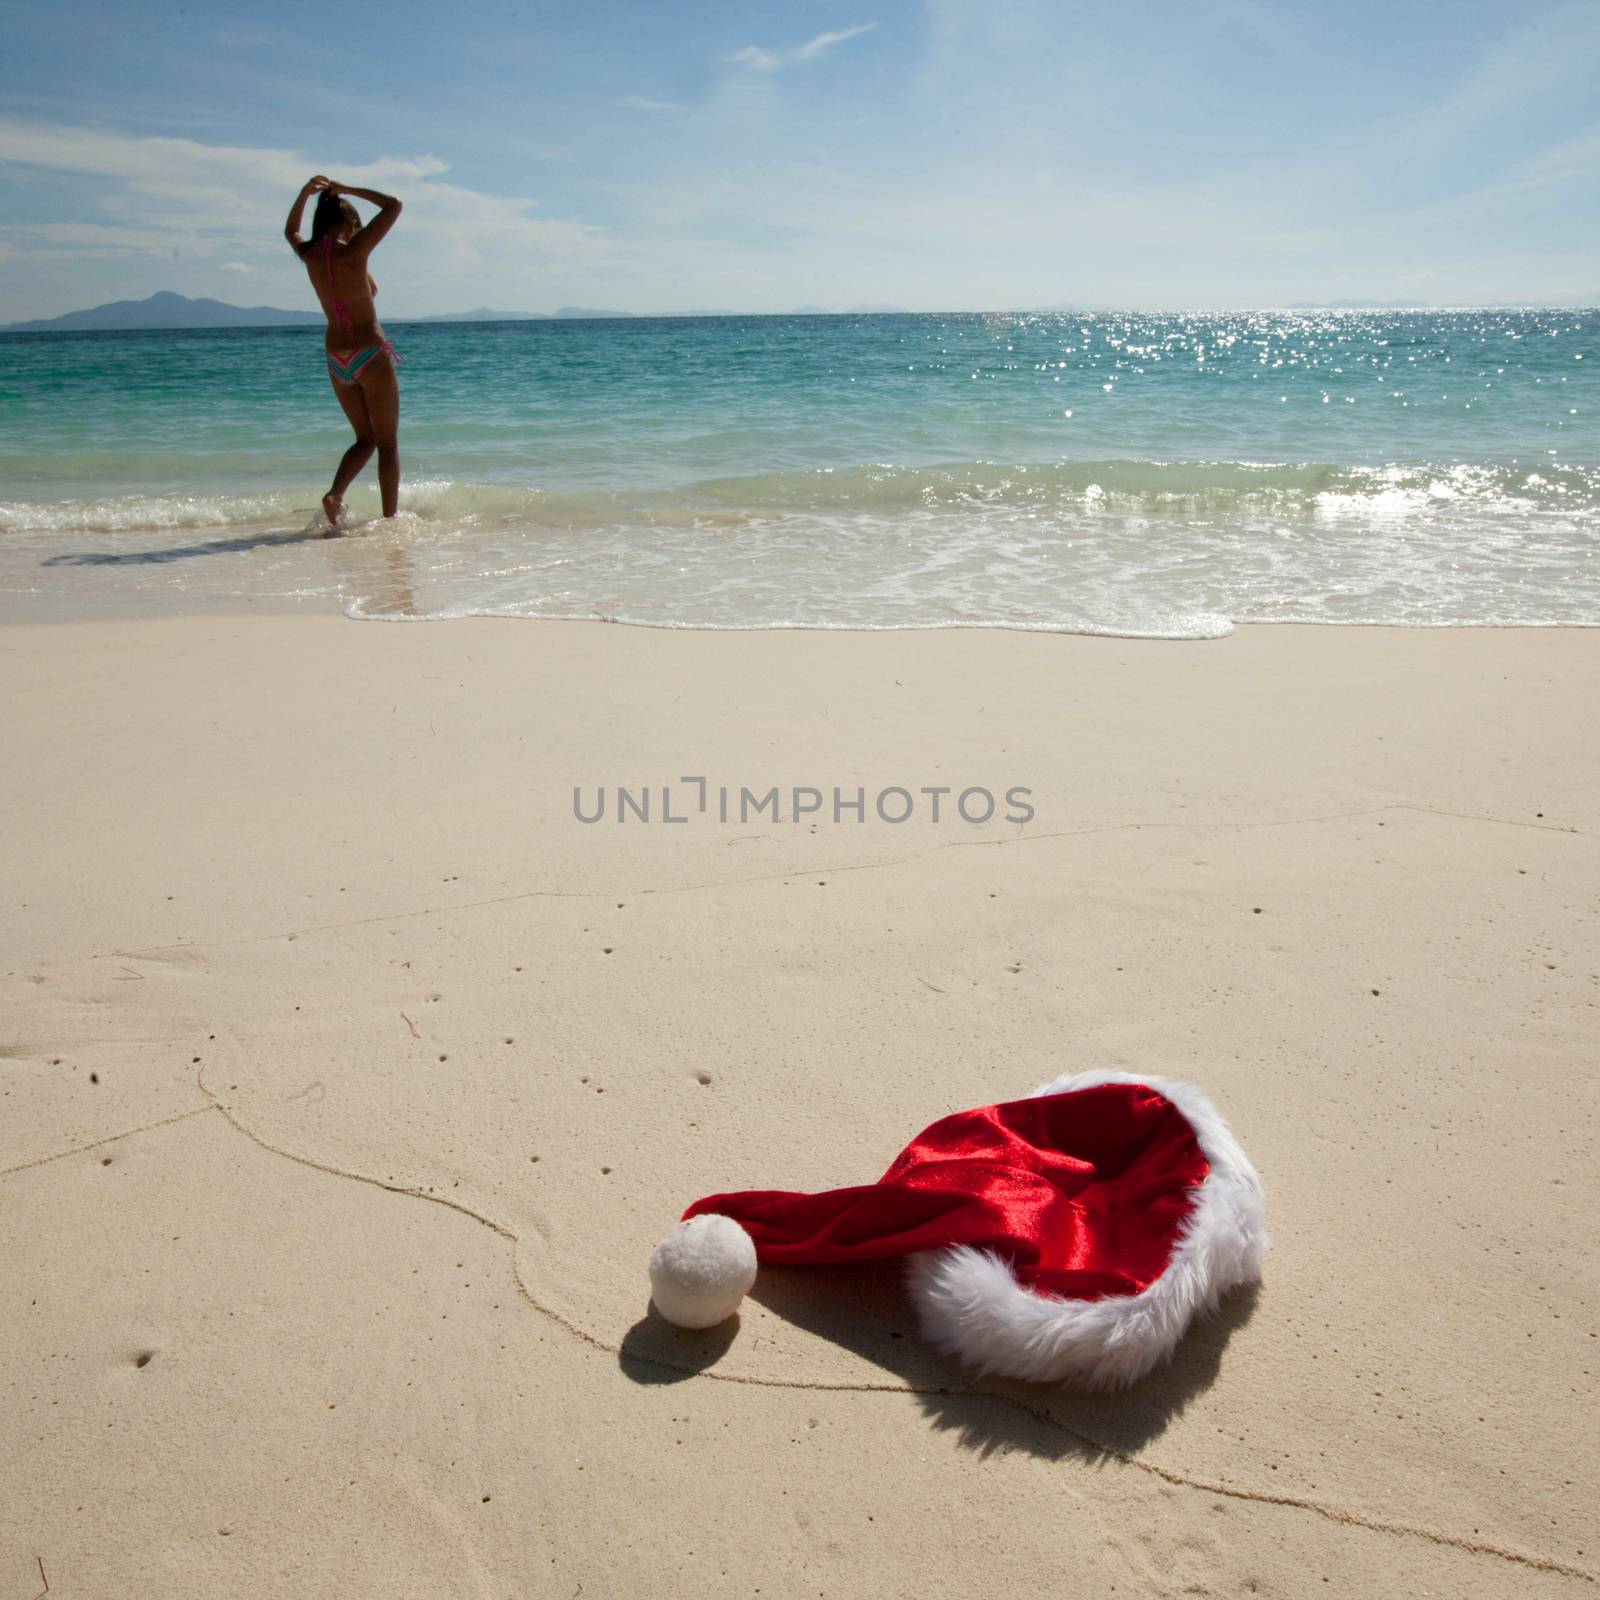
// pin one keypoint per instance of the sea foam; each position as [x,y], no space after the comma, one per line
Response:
[1147,476]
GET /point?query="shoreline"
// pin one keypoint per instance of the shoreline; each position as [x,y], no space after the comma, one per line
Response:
[318,607]
[303,928]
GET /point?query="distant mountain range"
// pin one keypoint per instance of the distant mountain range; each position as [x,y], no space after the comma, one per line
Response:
[169,310]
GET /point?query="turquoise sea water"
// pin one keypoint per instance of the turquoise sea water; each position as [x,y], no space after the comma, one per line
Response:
[1135,474]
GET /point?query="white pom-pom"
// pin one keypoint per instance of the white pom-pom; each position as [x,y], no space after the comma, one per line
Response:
[701,1271]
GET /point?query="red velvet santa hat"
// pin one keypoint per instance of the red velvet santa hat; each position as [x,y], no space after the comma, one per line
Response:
[1074,1234]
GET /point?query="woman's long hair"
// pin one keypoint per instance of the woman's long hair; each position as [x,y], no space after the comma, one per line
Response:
[332,213]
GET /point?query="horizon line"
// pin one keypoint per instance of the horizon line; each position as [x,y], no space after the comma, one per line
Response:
[580,314]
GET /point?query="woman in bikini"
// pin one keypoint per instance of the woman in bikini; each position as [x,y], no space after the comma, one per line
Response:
[360,360]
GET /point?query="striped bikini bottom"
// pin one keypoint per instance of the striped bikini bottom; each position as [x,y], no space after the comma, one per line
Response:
[346,366]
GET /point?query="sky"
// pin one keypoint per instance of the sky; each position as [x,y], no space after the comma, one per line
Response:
[753,156]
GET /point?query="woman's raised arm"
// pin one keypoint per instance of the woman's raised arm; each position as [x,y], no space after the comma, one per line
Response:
[388,214]
[291,229]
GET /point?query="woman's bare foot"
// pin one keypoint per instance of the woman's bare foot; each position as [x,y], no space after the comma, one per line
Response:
[333,508]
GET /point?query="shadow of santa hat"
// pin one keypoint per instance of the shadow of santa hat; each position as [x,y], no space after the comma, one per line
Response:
[1072,1235]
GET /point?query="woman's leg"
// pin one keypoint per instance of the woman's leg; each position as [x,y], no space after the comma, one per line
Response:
[357,456]
[381,386]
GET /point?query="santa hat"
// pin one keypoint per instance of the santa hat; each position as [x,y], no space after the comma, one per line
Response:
[1074,1234]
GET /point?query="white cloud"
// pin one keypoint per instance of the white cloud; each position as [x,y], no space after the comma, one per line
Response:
[762,60]
[636,102]
[754,56]
[826,41]
[177,198]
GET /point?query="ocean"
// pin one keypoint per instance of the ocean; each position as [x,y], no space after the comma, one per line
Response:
[1166,476]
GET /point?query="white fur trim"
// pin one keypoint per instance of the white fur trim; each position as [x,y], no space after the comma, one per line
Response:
[971,1306]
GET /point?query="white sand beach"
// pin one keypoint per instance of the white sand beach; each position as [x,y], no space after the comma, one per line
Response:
[346,1081]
